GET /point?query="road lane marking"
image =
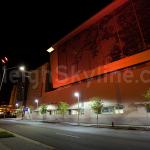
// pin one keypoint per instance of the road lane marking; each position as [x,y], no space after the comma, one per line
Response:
[143,132]
[68,135]
[30,140]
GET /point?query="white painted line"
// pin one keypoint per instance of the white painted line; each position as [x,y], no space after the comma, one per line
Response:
[68,135]
[30,140]
[143,132]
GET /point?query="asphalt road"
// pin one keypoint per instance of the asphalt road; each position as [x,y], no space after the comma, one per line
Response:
[64,137]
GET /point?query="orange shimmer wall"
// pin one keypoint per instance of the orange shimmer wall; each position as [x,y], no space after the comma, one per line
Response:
[115,38]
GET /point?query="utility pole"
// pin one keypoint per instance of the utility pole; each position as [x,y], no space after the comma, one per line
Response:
[4,72]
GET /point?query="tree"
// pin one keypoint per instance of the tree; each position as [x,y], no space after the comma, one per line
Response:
[147,97]
[20,112]
[62,108]
[31,109]
[43,110]
[96,106]
[147,94]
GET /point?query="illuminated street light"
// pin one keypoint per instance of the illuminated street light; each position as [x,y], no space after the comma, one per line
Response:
[50,49]
[4,60]
[77,94]
[22,68]
[17,105]
[37,102]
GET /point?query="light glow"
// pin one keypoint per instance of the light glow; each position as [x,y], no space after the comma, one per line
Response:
[17,104]
[50,49]
[22,68]
[36,100]
[6,58]
[76,94]
[3,61]
[119,111]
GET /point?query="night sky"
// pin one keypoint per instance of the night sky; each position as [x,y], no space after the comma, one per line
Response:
[28,29]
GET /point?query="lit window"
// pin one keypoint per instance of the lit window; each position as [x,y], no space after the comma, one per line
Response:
[119,109]
[108,110]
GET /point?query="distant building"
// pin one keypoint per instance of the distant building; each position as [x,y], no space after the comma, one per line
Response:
[107,56]
[13,97]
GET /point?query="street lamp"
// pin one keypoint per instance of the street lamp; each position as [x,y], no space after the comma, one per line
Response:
[37,102]
[77,94]
[17,105]
[22,68]
[4,61]
[50,49]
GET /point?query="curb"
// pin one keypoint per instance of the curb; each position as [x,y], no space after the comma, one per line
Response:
[117,127]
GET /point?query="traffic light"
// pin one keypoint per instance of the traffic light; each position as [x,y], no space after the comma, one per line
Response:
[3,61]
[6,59]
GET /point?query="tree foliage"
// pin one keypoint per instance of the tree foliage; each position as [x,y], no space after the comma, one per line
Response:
[147,94]
[31,108]
[43,109]
[96,104]
[147,97]
[63,107]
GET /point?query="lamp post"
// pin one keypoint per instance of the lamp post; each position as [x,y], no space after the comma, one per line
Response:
[37,102]
[4,61]
[76,94]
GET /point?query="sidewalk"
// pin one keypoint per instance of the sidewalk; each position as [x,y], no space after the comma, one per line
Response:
[116,126]
[19,142]
[127,127]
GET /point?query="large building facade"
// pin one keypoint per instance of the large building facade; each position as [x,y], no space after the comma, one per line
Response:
[108,56]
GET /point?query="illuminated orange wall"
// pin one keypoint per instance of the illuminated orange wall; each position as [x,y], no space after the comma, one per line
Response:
[123,63]
[117,37]
[119,46]
[106,87]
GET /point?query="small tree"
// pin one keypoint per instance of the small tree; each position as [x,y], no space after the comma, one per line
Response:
[20,112]
[43,110]
[62,108]
[31,109]
[96,106]
[147,97]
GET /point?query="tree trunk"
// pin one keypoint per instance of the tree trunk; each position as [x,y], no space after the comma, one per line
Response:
[44,116]
[147,120]
[63,116]
[97,119]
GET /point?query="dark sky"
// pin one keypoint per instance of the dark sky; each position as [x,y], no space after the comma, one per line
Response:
[28,29]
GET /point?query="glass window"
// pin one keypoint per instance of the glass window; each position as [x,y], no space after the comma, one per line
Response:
[108,110]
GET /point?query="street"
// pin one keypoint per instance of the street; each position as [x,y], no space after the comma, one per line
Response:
[63,137]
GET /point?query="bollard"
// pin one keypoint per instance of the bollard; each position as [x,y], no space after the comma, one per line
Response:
[112,124]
